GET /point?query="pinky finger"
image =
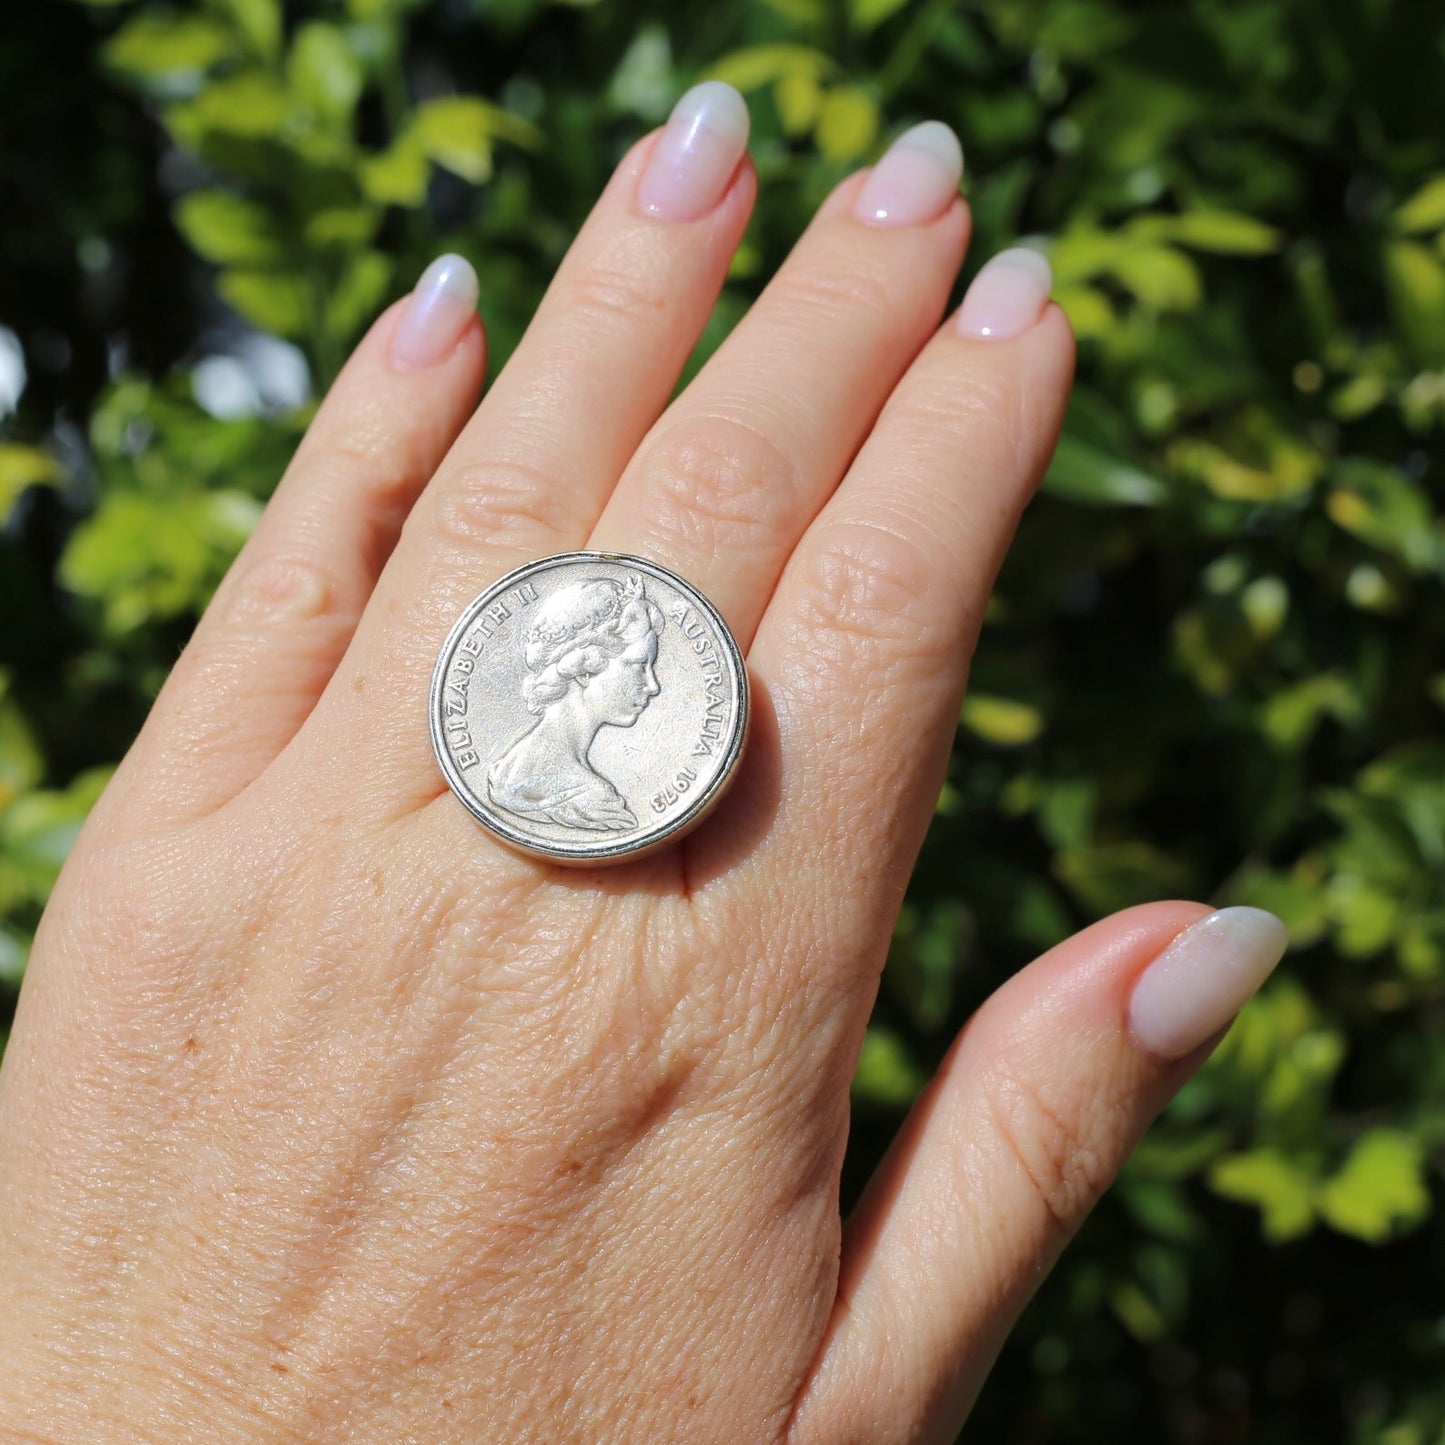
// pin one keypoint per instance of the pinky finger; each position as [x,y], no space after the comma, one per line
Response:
[286,611]
[1033,1113]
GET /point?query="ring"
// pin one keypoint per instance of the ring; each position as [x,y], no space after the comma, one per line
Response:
[589,707]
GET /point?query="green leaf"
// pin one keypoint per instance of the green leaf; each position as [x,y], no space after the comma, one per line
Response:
[358,295]
[868,15]
[1083,472]
[886,1073]
[21,764]
[1002,721]
[1388,510]
[1106,877]
[156,46]
[1415,285]
[398,175]
[1226,232]
[847,124]
[21,468]
[228,229]
[343,228]
[142,558]
[276,301]
[259,22]
[251,106]
[1291,715]
[761,65]
[1425,210]
[799,99]
[457,133]
[1282,1190]
[1088,310]
[1380,1191]
[325,74]
[14,949]
[1162,278]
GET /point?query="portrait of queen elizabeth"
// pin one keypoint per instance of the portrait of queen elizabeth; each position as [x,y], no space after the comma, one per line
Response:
[590,655]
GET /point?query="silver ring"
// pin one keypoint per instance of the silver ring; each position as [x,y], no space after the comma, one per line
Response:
[589,707]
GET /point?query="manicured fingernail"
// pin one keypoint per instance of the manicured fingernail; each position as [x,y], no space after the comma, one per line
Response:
[439,309]
[1204,978]
[696,154]
[916,179]
[1007,296]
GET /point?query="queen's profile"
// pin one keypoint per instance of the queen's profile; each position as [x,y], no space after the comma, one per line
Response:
[590,655]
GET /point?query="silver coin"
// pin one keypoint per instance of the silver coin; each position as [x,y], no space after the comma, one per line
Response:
[589,707]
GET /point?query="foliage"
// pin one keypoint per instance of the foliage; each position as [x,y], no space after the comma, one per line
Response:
[1211,666]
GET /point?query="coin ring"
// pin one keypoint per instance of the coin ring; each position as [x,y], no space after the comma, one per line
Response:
[506,688]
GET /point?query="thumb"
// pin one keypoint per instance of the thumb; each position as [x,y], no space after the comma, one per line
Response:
[1036,1107]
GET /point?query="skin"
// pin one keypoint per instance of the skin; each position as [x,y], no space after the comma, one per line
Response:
[326,1118]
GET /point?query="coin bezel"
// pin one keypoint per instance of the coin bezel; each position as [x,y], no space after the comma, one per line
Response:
[589,853]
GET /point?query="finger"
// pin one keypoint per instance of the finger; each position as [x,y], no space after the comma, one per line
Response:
[1033,1113]
[724,485]
[530,473]
[864,649]
[287,608]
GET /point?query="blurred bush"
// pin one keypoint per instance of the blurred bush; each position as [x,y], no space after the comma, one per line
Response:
[1212,666]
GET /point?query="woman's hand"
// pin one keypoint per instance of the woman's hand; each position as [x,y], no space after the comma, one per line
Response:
[327,1118]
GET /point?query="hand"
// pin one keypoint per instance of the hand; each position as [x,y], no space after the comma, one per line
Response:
[327,1118]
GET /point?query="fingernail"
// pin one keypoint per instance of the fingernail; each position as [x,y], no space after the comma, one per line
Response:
[1204,978]
[439,309]
[1007,296]
[696,154]
[916,179]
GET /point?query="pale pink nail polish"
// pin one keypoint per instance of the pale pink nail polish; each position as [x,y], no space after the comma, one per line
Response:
[916,179]
[1007,296]
[439,309]
[696,154]
[1203,979]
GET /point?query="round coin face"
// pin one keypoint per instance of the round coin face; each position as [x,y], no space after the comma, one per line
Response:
[589,707]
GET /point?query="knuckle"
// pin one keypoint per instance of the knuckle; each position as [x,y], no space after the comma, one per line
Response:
[485,504]
[719,481]
[842,291]
[280,588]
[1060,1144]
[865,594]
[614,293]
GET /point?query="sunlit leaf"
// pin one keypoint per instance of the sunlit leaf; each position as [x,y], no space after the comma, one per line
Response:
[325,73]
[886,1073]
[1227,232]
[1161,277]
[847,123]
[1425,210]
[1380,1190]
[398,175]
[357,295]
[276,301]
[799,99]
[21,468]
[252,105]
[1280,1188]
[869,14]
[1003,721]
[761,65]
[259,21]
[229,229]
[156,46]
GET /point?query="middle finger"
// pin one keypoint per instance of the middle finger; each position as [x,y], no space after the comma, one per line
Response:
[728,479]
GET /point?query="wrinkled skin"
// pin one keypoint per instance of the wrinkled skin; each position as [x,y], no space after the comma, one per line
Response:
[326,1118]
